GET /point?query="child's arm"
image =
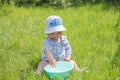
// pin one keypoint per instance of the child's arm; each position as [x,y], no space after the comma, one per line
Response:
[67,50]
[48,53]
[52,61]
[68,57]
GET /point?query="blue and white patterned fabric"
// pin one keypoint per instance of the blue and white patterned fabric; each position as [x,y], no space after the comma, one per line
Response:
[59,50]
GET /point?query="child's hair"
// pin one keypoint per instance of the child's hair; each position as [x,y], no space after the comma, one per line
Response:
[54,24]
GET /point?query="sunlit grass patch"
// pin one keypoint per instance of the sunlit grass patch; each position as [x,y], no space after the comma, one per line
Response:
[90,30]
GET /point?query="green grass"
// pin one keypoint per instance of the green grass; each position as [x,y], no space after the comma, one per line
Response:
[91,31]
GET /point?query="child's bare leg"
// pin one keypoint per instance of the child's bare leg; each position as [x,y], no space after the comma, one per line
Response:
[75,65]
[41,65]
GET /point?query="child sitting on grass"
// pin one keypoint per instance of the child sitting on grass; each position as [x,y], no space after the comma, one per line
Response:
[56,46]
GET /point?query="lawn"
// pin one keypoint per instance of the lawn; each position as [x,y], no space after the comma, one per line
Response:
[92,32]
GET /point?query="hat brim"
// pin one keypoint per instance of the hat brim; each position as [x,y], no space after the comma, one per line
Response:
[55,29]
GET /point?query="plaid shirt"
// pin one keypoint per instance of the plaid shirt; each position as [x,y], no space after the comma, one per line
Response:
[59,50]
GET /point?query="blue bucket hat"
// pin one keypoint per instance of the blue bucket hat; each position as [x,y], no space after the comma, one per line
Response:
[54,24]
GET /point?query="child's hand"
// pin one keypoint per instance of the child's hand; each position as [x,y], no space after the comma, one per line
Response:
[68,58]
[52,63]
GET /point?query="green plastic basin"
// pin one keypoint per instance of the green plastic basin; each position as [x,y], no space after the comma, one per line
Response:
[62,70]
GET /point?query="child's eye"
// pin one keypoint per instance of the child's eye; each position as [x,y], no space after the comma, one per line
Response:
[52,33]
[59,32]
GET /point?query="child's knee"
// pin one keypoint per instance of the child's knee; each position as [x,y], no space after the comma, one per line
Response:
[41,65]
[73,62]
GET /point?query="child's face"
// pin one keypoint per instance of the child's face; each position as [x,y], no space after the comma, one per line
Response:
[55,35]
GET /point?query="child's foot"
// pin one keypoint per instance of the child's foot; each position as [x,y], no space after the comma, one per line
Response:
[36,72]
[82,69]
